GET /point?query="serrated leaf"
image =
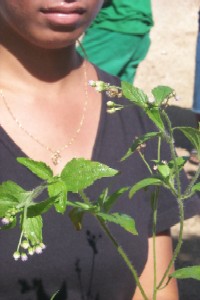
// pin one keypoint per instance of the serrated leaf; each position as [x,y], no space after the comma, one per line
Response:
[79,173]
[135,95]
[111,200]
[10,187]
[125,221]
[144,183]
[32,228]
[193,135]
[154,115]
[58,190]
[161,93]
[38,168]
[139,141]
[188,272]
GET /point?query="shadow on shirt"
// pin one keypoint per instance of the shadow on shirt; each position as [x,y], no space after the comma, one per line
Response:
[88,294]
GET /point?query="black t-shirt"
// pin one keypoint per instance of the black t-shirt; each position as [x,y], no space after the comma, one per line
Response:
[84,265]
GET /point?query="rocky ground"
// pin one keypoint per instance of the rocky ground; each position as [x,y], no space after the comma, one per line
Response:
[170,61]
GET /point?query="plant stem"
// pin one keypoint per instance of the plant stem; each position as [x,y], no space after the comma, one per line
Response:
[179,243]
[170,141]
[155,213]
[118,247]
[124,257]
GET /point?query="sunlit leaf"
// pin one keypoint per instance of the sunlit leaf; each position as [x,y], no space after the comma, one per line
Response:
[134,94]
[38,168]
[188,272]
[12,188]
[154,115]
[161,93]
[58,190]
[32,228]
[144,183]
[164,170]
[123,220]
[79,173]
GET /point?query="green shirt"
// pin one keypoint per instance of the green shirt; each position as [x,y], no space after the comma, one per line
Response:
[126,16]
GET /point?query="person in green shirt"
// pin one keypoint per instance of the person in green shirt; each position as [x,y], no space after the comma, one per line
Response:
[118,39]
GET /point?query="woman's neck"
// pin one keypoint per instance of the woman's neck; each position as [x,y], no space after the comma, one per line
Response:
[30,65]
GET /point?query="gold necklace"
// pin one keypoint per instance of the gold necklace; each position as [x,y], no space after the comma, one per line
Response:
[55,154]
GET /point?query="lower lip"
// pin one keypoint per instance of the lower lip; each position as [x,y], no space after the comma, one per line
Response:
[61,19]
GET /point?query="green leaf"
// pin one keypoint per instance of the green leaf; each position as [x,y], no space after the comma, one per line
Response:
[79,173]
[193,135]
[58,190]
[53,297]
[40,208]
[164,170]
[161,93]
[76,216]
[188,272]
[134,94]
[123,220]
[180,161]
[32,228]
[111,200]
[154,114]
[144,183]
[196,187]
[139,141]
[12,188]
[38,168]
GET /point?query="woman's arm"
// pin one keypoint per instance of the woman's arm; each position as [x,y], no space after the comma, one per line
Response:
[163,256]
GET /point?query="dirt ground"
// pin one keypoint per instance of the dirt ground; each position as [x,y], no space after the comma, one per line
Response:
[171,61]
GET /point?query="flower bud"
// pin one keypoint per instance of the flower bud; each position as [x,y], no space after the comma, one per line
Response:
[24,257]
[16,255]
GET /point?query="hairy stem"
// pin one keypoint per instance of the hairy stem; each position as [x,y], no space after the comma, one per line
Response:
[178,246]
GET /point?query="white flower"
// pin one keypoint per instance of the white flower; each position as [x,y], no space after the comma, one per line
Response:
[16,255]
[92,83]
[24,257]
[25,244]
[38,249]
[5,221]
[31,251]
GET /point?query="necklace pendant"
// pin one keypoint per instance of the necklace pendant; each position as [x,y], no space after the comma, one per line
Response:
[56,158]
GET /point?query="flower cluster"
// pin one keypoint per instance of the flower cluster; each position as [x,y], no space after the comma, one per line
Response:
[101,86]
[10,216]
[28,249]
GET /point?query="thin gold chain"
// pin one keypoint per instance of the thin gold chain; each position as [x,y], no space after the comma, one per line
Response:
[56,154]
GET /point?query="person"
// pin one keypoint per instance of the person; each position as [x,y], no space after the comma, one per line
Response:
[118,39]
[50,114]
[196,97]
